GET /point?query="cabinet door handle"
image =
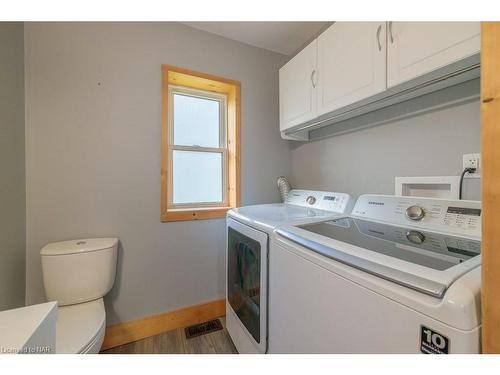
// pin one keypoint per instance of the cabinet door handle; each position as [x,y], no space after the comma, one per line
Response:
[313,78]
[391,37]
[379,29]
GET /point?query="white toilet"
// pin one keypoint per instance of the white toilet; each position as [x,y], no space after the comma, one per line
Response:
[78,274]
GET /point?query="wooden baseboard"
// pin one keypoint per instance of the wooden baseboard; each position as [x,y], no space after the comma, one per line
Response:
[123,333]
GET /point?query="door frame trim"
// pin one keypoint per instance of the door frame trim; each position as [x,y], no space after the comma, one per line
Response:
[490,185]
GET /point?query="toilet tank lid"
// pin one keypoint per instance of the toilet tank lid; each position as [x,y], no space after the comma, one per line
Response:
[84,245]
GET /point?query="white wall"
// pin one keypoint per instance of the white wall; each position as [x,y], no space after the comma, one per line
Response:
[93,153]
[12,185]
[367,161]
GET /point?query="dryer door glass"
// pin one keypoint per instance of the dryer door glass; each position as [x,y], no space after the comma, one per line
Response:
[243,280]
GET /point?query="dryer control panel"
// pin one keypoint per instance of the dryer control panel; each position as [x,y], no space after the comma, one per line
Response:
[321,200]
[453,216]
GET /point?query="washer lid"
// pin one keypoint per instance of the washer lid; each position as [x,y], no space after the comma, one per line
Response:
[78,325]
[390,252]
[78,246]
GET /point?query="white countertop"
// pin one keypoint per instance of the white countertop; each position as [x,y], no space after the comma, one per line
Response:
[26,326]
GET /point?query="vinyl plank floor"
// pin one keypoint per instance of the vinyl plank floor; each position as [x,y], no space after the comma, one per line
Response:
[175,342]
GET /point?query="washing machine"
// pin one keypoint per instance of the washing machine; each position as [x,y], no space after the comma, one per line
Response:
[398,275]
[248,232]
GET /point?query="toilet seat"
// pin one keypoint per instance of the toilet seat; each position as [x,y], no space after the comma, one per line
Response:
[95,345]
[80,327]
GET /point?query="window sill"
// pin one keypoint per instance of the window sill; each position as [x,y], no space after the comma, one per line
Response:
[194,214]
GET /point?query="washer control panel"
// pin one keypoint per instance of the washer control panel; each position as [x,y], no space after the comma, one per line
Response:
[321,200]
[462,217]
[454,216]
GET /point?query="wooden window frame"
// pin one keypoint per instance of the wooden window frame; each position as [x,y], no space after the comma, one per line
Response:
[174,78]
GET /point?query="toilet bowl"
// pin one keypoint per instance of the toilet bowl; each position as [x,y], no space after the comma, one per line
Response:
[78,274]
[80,328]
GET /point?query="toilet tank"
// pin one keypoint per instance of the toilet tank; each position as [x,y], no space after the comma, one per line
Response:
[79,270]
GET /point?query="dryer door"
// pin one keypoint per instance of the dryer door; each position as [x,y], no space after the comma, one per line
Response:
[247,286]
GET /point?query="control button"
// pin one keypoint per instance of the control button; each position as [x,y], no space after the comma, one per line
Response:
[415,237]
[311,200]
[415,213]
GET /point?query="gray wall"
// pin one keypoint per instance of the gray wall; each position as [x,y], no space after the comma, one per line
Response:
[93,153]
[367,161]
[12,186]
[93,159]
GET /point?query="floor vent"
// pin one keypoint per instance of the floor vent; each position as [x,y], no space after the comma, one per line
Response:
[203,328]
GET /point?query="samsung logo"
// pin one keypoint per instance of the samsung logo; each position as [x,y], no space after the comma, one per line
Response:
[376,203]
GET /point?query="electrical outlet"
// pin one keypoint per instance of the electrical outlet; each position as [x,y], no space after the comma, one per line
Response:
[472,161]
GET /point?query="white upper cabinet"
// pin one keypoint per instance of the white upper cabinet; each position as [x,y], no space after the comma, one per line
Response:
[297,91]
[354,68]
[351,64]
[417,48]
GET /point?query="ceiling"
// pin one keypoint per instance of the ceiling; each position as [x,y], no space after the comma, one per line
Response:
[281,37]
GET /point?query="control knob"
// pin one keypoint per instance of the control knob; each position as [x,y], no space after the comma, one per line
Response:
[415,213]
[415,237]
[311,200]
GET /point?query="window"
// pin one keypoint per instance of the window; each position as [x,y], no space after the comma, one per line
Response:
[198,149]
[200,145]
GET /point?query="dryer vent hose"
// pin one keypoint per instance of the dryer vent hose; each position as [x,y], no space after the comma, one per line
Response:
[283,187]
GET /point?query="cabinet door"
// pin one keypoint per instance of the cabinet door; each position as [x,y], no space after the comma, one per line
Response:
[351,63]
[297,88]
[416,48]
